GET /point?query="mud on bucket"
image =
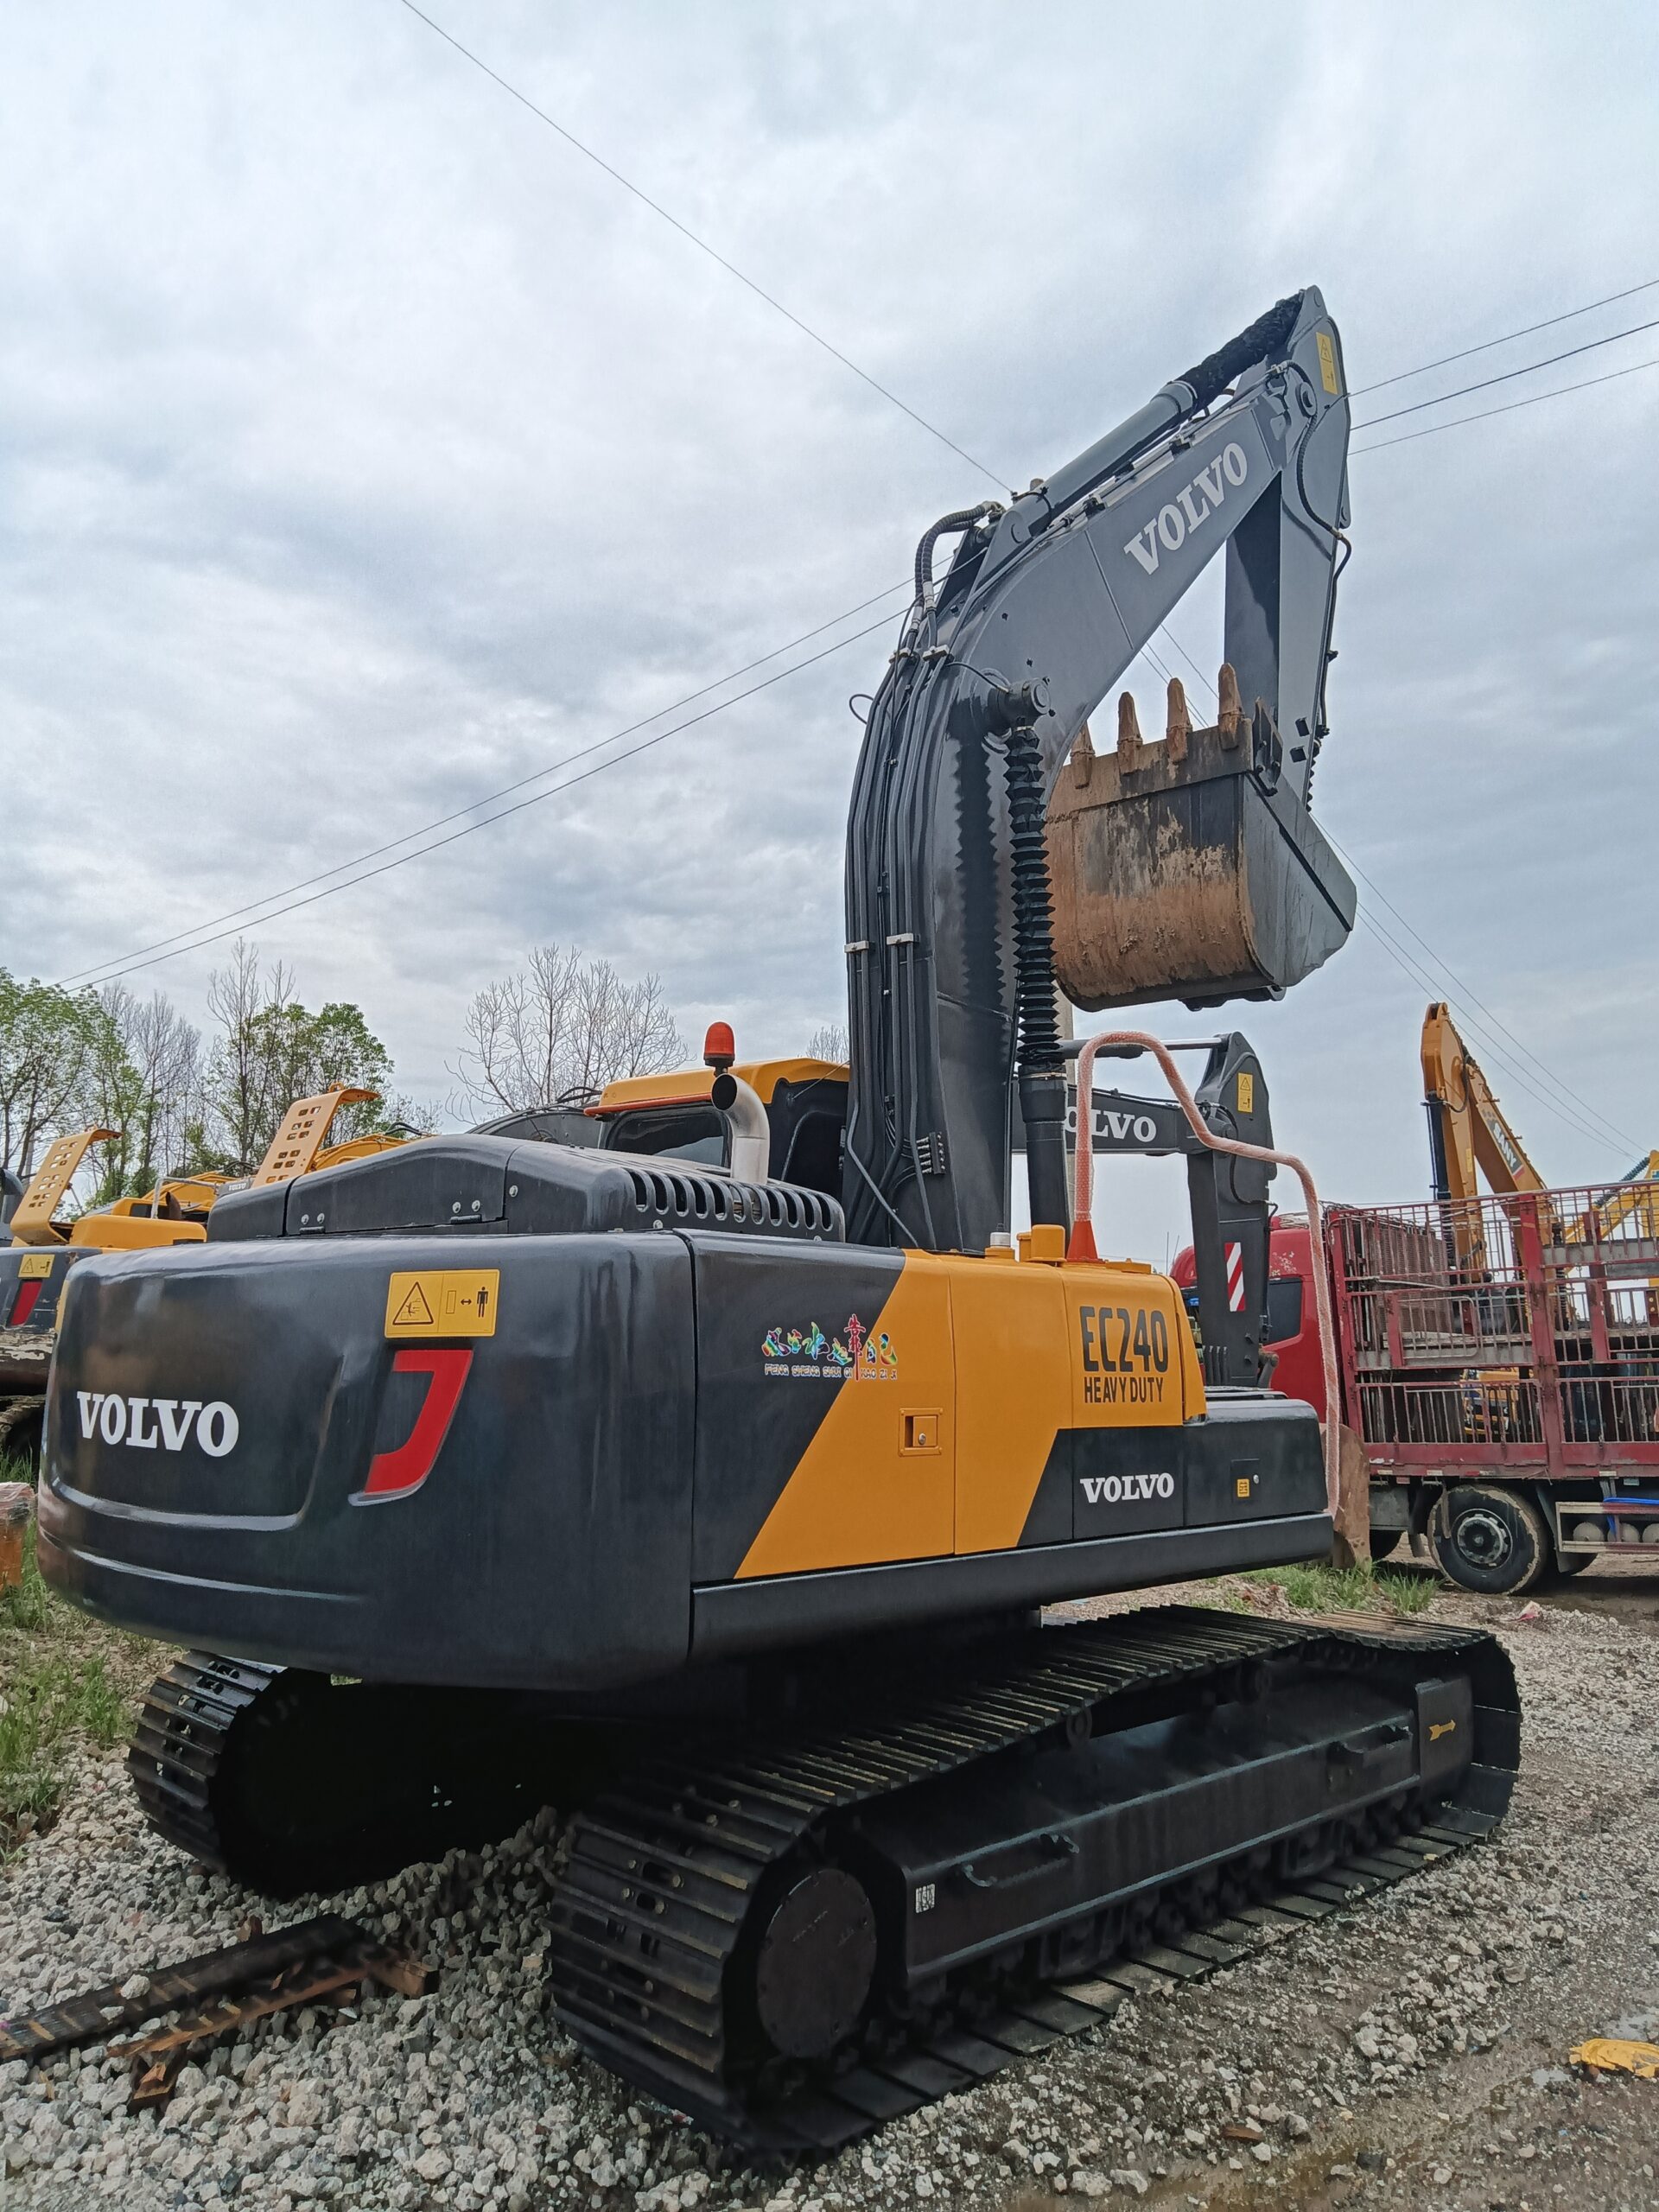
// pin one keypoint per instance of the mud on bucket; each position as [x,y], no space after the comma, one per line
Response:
[1189,868]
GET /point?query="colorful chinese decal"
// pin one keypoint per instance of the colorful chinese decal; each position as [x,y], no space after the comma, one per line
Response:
[853,1356]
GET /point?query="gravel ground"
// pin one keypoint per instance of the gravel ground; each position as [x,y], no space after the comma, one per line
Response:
[1410,2053]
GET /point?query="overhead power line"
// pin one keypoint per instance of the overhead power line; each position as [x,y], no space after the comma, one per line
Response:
[1508,376]
[1509,407]
[468,829]
[1486,344]
[703,246]
[1604,1131]
[274,905]
[249,912]
[1409,967]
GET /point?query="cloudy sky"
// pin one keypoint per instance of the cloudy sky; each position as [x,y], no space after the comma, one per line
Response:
[365,449]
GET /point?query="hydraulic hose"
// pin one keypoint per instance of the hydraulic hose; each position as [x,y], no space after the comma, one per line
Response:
[1259,342]
[1037,1055]
[963,518]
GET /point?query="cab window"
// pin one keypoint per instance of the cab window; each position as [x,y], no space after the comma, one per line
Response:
[1284,1308]
[689,1133]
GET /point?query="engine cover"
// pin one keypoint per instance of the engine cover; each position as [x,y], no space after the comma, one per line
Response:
[514,1187]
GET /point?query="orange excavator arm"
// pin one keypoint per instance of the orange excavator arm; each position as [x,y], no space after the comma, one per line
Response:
[1468,1131]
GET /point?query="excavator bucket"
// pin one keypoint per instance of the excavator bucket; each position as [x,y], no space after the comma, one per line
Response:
[1187,868]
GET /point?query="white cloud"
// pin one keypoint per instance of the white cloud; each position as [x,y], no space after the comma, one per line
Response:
[364,447]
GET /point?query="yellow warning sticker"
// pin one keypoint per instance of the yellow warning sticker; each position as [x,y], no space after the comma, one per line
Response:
[1246,1092]
[36,1267]
[1327,362]
[443,1302]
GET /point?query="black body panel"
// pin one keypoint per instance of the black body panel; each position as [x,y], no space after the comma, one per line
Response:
[774,1612]
[466,1184]
[549,1546]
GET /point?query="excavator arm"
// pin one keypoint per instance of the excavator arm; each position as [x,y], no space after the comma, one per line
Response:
[1468,1130]
[1044,606]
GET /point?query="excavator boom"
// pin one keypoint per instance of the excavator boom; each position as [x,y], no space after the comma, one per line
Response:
[1052,599]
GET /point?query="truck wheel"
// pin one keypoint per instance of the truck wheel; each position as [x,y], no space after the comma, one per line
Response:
[1490,1540]
[1384,1540]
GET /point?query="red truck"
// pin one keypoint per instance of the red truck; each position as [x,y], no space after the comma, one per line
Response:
[1499,1363]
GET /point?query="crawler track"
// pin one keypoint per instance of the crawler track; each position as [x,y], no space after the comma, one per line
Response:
[179,1746]
[291,1782]
[654,1919]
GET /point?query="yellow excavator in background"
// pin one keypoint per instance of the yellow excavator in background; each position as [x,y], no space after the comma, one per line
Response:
[1467,1131]
[44,1246]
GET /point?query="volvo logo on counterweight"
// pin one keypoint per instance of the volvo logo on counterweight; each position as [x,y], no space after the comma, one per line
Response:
[146,1422]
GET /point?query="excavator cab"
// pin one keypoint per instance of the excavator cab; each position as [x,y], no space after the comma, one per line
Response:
[674,1116]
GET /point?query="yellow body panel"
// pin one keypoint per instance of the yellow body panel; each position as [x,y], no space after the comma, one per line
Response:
[857,1495]
[128,1232]
[198,1192]
[1013,1390]
[996,1359]
[358,1149]
[681,1085]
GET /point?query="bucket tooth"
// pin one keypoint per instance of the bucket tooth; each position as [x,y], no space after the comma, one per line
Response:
[1230,714]
[1130,744]
[1178,724]
[1082,759]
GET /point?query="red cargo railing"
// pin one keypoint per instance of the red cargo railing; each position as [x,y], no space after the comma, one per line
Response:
[1519,1333]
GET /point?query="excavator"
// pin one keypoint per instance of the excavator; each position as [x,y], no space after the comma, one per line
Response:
[709,1481]
[40,1249]
[1469,1135]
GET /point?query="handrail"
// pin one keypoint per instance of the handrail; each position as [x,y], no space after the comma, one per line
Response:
[1083,1235]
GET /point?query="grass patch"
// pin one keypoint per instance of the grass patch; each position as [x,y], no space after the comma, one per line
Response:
[1365,1588]
[66,1682]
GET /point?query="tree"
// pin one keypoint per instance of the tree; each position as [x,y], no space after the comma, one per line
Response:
[565,1025]
[50,1040]
[828,1042]
[146,1078]
[273,1050]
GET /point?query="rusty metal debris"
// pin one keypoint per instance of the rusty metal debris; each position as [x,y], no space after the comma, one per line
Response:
[315,1961]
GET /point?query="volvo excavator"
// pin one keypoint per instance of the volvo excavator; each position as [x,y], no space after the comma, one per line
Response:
[711,1483]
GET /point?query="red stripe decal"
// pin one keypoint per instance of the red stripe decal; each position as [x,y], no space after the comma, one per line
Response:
[28,1297]
[394,1474]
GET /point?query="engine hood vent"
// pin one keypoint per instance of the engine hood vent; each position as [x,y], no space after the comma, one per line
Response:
[532,1189]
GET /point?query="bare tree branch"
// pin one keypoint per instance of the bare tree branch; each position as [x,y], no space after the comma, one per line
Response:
[563,1025]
